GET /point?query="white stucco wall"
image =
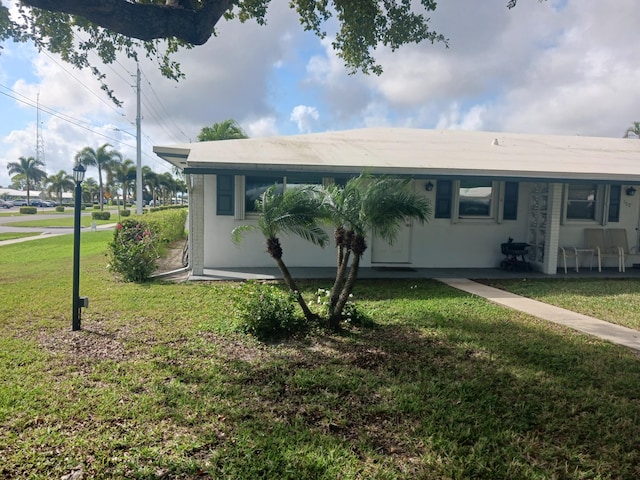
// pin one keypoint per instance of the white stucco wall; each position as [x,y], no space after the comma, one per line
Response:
[436,244]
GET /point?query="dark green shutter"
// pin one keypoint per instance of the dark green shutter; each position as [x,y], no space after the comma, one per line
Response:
[225,194]
[510,211]
[614,203]
[444,193]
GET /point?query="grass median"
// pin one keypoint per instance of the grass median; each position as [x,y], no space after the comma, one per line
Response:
[157,385]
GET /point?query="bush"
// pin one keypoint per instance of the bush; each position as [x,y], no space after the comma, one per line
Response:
[167,225]
[266,312]
[100,215]
[29,210]
[60,208]
[96,206]
[125,213]
[132,252]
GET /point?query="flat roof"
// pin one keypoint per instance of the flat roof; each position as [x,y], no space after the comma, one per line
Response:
[419,152]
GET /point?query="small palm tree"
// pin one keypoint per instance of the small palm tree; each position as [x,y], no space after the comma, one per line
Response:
[29,170]
[298,211]
[633,131]
[227,130]
[103,158]
[59,183]
[366,205]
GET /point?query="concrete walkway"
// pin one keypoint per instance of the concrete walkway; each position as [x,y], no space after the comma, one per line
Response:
[583,323]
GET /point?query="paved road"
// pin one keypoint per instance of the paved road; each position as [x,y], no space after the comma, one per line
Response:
[5,226]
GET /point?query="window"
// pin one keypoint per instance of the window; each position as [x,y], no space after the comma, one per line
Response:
[476,199]
[254,187]
[582,200]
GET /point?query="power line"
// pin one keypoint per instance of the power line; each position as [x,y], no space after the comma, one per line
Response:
[162,106]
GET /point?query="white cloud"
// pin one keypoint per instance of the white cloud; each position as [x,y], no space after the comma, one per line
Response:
[304,117]
[566,67]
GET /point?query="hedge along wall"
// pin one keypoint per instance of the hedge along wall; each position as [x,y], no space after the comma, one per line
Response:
[167,225]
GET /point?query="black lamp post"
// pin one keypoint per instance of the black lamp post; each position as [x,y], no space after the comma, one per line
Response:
[78,303]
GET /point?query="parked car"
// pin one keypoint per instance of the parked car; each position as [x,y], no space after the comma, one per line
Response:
[36,202]
[4,204]
[19,203]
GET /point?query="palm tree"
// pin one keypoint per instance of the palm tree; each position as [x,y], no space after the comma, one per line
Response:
[124,174]
[29,170]
[298,211]
[366,205]
[90,188]
[227,130]
[59,183]
[103,158]
[150,180]
[167,186]
[633,130]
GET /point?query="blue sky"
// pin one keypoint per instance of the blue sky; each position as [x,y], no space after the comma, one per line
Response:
[558,67]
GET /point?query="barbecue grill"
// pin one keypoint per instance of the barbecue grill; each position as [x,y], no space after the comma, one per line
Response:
[514,253]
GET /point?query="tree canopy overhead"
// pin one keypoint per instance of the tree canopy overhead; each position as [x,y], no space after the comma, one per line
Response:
[162,27]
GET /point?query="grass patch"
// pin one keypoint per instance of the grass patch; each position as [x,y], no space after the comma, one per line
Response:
[156,385]
[15,235]
[612,300]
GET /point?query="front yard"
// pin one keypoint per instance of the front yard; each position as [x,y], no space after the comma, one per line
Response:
[157,384]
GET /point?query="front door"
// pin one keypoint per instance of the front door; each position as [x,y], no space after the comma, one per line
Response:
[398,252]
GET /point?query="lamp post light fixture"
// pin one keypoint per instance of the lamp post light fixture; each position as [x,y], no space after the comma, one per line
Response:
[78,176]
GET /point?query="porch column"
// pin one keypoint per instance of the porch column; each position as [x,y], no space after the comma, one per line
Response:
[196,225]
[552,234]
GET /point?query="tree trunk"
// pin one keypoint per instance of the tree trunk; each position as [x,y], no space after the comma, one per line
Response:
[288,279]
[336,316]
[343,260]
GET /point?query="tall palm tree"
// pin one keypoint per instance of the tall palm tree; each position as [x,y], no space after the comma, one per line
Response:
[297,211]
[124,174]
[633,131]
[29,170]
[226,130]
[366,205]
[59,183]
[167,183]
[150,180]
[103,158]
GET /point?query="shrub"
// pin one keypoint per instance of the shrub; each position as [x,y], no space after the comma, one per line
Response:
[132,252]
[100,215]
[60,208]
[125,213]
[167,225]
[29,210]
[266,312]
[96,206]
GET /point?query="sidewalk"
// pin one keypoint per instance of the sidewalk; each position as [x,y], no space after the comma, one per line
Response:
[608,331]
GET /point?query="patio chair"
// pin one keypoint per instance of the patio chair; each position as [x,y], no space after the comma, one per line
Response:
[596,239]
[618,238]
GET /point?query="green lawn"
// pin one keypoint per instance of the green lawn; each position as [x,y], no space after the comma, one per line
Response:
[616,301]
[14,235]
[156,385]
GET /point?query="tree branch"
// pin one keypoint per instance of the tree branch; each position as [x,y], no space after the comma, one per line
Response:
[144,21]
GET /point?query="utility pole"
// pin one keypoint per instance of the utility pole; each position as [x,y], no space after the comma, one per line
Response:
[139,199]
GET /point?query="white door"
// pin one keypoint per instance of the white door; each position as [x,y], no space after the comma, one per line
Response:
[398,252]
